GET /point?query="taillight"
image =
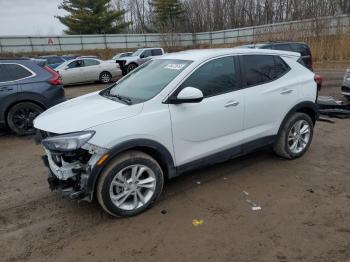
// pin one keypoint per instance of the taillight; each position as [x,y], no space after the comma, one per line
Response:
[56,78]
[318,80]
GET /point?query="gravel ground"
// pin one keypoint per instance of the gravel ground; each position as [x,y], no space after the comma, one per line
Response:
[304,216]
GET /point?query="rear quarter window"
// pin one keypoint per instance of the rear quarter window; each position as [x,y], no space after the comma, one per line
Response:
[261,69]
[13,72]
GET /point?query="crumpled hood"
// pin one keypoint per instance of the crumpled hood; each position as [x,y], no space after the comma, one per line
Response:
[84,112]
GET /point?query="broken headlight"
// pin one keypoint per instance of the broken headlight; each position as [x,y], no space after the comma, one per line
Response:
[68,142]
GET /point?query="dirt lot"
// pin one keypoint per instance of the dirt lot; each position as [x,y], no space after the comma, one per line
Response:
[304,216]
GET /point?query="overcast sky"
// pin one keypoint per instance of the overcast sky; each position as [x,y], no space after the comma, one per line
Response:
[30,17]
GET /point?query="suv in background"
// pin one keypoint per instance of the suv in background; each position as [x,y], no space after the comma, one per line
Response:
[302,48]
[175,113]
[26,90]
[129,63]
[346,84]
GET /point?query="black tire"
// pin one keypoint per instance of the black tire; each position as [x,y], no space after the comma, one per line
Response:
[131,67]
[121,162]
[282,145]
[20,118]
[105,77]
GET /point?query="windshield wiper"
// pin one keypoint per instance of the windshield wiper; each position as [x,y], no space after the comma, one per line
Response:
[125,99]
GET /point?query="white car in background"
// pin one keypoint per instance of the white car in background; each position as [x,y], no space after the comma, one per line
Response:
[81,70]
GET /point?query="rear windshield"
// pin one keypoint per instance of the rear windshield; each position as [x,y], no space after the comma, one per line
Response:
[147,80]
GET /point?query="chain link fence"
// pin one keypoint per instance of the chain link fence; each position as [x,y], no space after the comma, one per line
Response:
[278,31]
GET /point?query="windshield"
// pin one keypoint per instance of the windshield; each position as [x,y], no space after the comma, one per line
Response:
[137,52]
[63,65]
[146,81]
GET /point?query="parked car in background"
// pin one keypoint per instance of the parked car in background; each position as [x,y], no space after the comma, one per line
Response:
[121,55]
[175,113]
[26,90]
[69,57]
[53,61]
[299,47]
[81,70]
[127,64]
[346,84]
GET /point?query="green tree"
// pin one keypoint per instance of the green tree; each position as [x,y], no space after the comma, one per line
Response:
[168,14]
[92,17]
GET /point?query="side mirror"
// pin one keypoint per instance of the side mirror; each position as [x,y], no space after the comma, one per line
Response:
[142,56]
[189,95]
[66,68]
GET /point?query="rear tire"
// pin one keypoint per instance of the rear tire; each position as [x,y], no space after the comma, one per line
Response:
[105,77]
[130,184]
[295,136]
[20,118]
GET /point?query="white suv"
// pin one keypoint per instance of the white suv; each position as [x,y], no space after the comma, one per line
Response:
[173,114]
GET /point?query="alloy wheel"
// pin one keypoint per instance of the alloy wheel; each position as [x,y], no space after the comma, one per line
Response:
[299,136]
[132,187]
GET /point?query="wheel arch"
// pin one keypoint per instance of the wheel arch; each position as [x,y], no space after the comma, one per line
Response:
[38,103]
[105,71]
[156,150]
[306,107]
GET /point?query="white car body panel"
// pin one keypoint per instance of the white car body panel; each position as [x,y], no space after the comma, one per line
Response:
[188,131]
[87,73]
[83,112]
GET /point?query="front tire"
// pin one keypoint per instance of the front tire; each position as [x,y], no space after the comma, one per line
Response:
[295,137]
[20,118]
[105,77]
[130,184]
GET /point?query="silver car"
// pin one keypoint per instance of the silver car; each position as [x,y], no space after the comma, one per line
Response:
[346,84]
[140,56]
[81,70]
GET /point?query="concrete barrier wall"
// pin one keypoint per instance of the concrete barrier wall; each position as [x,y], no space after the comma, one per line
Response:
[310,27]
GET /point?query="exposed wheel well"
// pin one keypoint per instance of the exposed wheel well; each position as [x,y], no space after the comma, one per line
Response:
[154,154]
[310,112]
[21,101]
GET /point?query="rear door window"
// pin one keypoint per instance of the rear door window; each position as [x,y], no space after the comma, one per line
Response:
[261,69]
[147,53]
[216,77]
[13,72]
[156,52]
[91,62]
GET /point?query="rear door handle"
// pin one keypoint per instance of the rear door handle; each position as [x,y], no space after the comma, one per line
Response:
[286,91]
[232,103]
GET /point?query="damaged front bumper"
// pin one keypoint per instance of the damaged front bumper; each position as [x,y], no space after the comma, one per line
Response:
[69,172]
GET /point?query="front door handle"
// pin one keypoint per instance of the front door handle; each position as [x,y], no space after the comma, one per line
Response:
[232,103]
[286,91]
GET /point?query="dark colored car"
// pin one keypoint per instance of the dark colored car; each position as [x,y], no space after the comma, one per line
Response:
[26,90]
[53,61]
[299,47]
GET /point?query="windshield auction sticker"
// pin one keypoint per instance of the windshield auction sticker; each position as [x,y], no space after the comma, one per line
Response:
[174,66]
